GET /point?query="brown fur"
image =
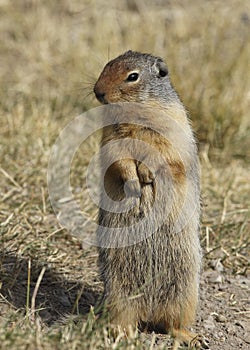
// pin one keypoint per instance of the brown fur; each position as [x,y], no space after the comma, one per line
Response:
[155,281]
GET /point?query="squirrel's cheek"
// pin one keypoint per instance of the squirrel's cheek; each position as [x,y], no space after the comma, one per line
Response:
[113,97]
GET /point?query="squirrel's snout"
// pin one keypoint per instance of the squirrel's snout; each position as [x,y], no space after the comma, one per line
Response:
[100,95]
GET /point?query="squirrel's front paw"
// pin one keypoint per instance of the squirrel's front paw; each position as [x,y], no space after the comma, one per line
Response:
[144,174]
[132,188]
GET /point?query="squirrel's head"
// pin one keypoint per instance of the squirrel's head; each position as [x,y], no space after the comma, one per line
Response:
[133,77]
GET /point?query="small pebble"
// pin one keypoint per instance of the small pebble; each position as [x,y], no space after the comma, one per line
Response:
[217,279]
[209,323]
[220,318]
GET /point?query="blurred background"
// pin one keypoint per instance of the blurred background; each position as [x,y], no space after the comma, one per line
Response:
[51,53]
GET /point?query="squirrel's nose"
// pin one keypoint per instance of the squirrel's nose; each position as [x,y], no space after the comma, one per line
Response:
[100,95]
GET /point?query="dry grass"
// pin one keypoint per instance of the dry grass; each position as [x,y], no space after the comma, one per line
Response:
[50,55]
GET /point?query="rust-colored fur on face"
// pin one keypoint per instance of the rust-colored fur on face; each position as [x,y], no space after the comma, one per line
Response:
[155,281]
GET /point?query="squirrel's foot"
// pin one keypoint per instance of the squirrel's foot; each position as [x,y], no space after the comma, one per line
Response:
[194,341]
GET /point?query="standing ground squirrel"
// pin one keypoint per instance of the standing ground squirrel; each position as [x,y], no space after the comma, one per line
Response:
[153,283]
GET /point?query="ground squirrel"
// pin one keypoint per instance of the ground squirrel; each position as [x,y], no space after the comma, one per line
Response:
[153,283]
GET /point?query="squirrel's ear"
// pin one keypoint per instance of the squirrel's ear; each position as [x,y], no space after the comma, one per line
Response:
[162,69]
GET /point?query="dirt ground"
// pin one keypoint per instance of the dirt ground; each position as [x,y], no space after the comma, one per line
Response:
[223,316]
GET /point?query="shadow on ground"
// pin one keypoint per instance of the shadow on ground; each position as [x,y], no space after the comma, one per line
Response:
[56,298]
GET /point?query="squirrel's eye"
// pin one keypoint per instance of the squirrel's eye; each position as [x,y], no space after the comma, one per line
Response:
[133,77]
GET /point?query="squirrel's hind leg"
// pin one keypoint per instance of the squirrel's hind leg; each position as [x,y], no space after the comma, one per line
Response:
[193,340]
